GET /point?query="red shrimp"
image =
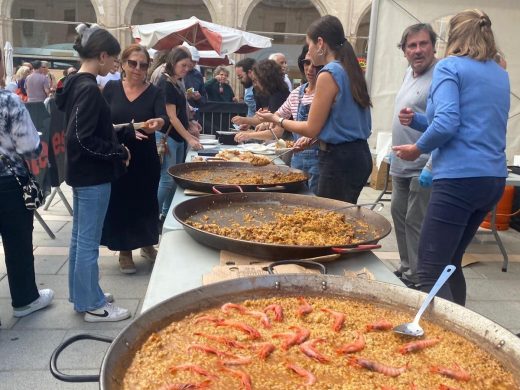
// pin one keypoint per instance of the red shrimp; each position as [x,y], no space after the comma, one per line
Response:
[249,330]
[376,366]
[304,308]
[237,361]
[264,319]
[379,325]
[187,386]
[456,372]
[301,333]
[227,307]
[289,339]
[228,341]
[208,349]
[339,319]
[277,310]
[245,379]
[194,368]
[264,350]
[356,346]
[415,346]
[308,348]
[311,379]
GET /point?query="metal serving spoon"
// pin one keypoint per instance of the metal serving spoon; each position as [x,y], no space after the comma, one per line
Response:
[413,328]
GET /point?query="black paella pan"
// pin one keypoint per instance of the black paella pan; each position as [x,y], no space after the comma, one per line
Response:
[203,176]
[231,208]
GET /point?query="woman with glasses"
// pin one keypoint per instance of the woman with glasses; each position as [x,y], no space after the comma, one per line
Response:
[297,106]
[133,211]
[340,113]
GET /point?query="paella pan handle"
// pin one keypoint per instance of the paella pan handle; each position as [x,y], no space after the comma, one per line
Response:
[217,189]
[271,189]
[53,366]
[359,248]
[304,263]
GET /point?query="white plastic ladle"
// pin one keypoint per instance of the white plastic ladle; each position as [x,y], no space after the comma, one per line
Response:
[413,328]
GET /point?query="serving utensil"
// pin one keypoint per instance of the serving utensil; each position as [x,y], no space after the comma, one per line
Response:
[281,154]
[280,142]
[413,328]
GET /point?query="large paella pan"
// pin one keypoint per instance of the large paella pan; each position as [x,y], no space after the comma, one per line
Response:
[248,210]
[485,337]
[203,176]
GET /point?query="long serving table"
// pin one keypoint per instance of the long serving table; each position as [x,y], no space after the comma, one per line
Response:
[182,261]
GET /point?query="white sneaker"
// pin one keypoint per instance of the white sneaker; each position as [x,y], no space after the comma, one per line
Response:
[107,313]
[43,300]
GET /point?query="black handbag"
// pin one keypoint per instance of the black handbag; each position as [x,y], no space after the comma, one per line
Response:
[32,193]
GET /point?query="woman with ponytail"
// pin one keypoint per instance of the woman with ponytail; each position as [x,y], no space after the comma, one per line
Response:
[339,116]
[466,121]
[94,160]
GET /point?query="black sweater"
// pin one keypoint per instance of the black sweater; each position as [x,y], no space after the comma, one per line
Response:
[93,154]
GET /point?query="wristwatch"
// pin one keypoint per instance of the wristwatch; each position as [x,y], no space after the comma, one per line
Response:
[280,122]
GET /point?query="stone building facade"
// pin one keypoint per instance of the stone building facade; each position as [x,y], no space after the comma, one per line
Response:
[36,23]
[45,28]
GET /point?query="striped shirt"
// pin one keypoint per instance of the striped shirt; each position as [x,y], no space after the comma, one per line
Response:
[18,136]
[290,107]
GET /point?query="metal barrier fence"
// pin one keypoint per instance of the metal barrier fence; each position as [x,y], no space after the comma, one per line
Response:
[215,116]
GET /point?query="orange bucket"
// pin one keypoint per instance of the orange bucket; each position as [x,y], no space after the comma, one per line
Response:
[504,208]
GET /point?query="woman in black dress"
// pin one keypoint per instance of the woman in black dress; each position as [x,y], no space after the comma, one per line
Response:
[133,211]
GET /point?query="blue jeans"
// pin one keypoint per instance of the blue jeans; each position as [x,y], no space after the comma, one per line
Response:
[90,206]
[307,161]
[167,185]
[457,207]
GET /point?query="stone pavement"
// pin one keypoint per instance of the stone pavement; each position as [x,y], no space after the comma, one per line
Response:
[27,343]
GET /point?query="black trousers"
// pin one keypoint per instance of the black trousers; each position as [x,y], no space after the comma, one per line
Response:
[344,170]
[16,228]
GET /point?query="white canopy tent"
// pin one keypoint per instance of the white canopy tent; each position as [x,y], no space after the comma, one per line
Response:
[386,63]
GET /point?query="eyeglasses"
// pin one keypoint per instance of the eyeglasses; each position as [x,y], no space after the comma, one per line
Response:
[137,65]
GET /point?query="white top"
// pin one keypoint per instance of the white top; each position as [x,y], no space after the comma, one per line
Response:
[102,80]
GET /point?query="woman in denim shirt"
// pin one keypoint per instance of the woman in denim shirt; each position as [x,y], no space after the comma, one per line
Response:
[339,116]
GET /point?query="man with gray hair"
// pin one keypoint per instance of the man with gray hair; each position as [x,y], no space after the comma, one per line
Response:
[411,179]
[280,59]
[37,83]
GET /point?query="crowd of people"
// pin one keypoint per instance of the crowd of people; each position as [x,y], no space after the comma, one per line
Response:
[448,166]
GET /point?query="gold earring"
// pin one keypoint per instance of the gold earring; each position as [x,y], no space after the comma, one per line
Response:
[101,64]
[320,52]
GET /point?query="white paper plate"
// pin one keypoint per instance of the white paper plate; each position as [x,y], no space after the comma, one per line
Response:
[204,141]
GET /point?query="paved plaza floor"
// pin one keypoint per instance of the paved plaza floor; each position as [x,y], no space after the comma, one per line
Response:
[27,343]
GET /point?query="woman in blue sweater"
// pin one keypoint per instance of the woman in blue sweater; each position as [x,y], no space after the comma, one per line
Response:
[467,115]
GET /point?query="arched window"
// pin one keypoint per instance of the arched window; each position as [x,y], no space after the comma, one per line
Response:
[361,38]
[39,31]
[285,21]
[155,11]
